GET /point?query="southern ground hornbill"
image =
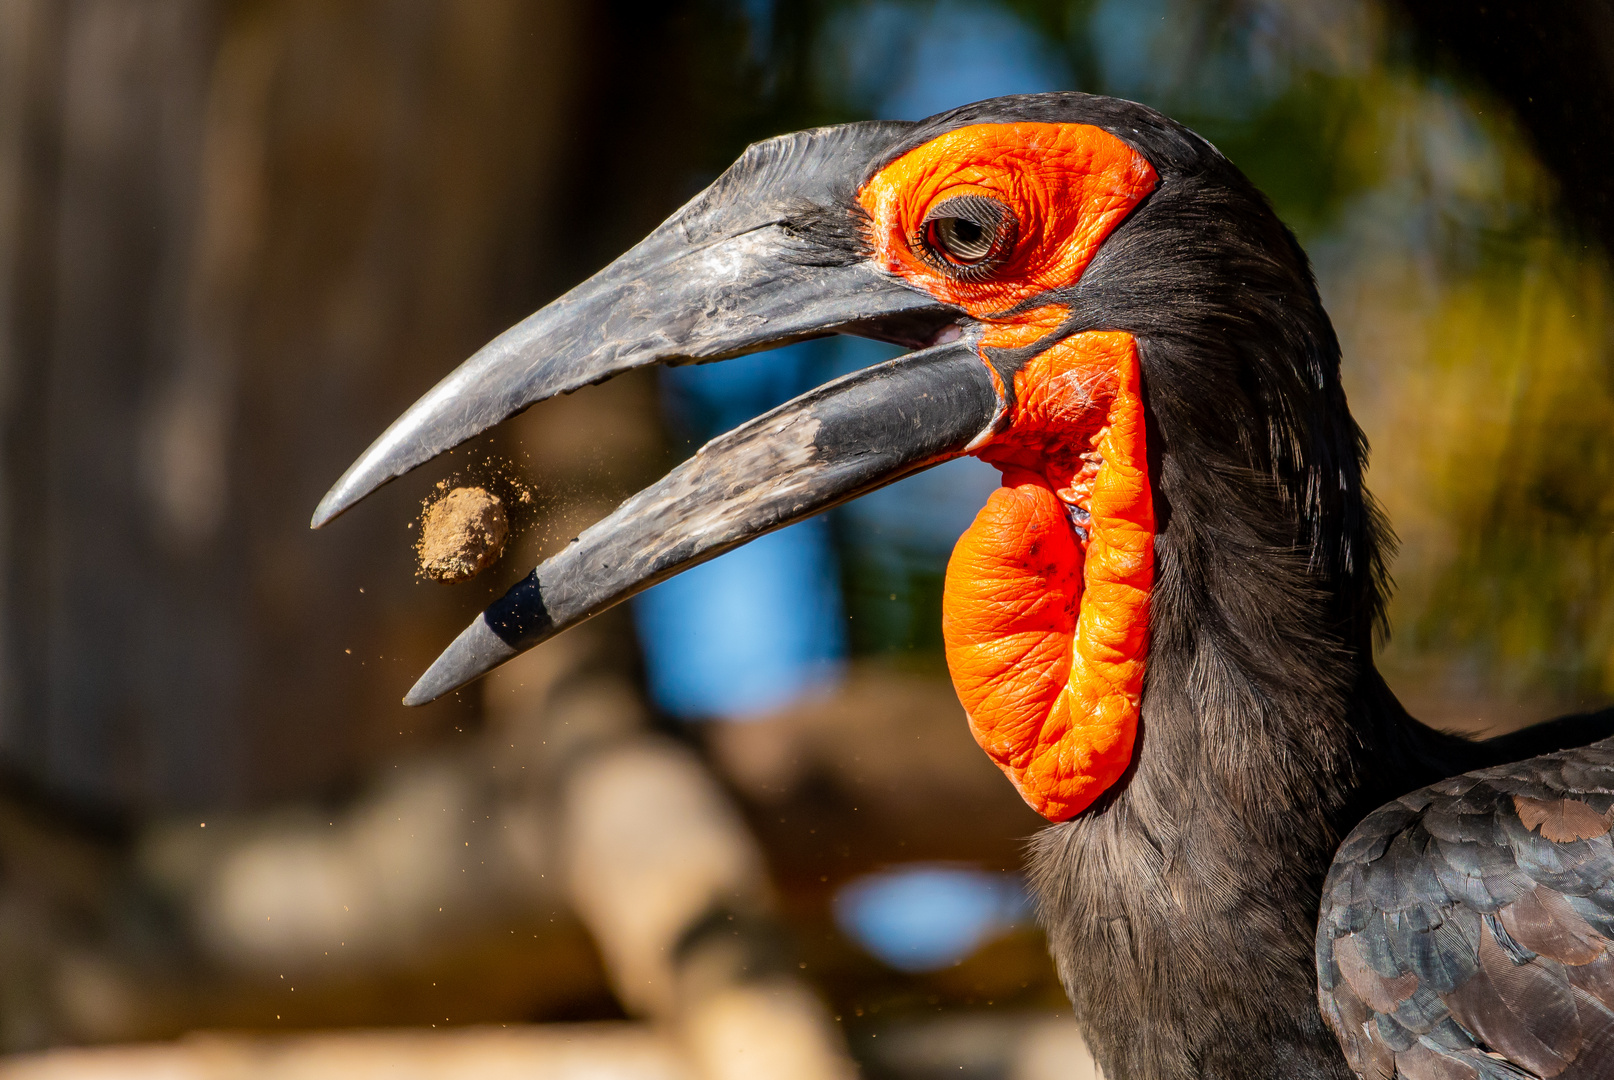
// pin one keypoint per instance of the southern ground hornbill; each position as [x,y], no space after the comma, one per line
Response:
[1160,625]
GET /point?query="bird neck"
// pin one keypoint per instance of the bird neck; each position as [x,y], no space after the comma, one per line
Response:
[1181,908]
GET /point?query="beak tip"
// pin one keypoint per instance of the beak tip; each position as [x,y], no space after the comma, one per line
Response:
[387,458]
[477,651]
[337,501]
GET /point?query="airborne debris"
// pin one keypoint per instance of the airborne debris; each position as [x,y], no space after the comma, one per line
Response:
[462,534]
[472,516]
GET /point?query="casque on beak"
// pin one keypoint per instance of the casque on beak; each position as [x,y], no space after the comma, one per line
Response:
[773,252]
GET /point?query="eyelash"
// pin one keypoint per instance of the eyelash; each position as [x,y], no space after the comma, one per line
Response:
[984,218]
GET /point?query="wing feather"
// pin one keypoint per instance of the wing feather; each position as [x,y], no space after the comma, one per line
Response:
[1465,930]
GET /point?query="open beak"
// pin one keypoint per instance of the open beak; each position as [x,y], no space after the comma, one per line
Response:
[769,254]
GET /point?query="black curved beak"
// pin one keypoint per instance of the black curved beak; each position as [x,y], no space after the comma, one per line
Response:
[769,254]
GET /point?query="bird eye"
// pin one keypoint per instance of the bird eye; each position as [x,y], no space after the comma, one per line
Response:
[968,234]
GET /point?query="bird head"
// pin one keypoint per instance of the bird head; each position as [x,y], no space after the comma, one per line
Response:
[1097,303]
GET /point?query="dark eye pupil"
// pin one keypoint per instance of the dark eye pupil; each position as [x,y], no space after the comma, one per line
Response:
[969,232]
[963,239]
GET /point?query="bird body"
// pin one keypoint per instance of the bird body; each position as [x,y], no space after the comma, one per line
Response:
[1465,926]
[1184,915]
[1161,626]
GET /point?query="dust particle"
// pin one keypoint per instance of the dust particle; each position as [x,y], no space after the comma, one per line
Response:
[461,535]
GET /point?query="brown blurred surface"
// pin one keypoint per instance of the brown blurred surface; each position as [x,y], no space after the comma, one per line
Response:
[242,238]
[580,1052]
[238,237]
[444,889]
[1012,1047]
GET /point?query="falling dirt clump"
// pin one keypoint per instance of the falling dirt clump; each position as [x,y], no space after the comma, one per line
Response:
[461,535]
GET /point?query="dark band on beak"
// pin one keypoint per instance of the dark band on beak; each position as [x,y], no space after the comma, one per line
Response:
[775,251]
[832,444]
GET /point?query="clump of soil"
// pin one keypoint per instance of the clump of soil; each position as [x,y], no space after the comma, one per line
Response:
[462,534]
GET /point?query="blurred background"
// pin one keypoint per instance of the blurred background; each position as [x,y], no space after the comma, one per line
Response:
[737,828]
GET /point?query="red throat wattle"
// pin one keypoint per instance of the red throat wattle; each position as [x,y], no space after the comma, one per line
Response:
[1045,614]
[1046,610]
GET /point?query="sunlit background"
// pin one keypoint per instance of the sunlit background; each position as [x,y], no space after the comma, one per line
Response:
[237,238]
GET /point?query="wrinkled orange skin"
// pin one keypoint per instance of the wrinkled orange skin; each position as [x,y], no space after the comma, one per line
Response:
[1068,184]
[1047,648]
[1046,637]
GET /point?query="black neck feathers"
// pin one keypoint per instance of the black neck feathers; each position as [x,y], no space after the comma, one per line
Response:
[1182,907]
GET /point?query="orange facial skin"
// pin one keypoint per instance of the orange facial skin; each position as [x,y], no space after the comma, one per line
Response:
[1068,185]
[1046,632]
[1046,636]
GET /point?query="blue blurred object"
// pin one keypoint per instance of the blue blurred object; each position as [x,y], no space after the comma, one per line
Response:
[752,630]
[704,400]
[1192,56]
[927,916]
[902,61]
[747,632]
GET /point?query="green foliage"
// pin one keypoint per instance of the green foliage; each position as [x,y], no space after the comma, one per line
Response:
[1513,593]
